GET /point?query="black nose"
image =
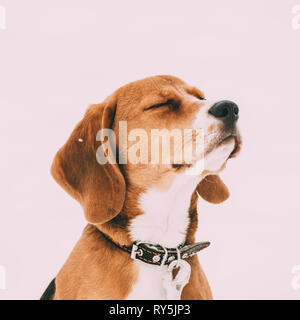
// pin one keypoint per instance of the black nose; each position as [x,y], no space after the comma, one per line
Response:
[225,110]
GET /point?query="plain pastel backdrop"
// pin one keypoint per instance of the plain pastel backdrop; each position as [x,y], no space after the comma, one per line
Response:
[57,57]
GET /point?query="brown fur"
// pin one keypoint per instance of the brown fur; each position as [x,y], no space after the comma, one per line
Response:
[109,193]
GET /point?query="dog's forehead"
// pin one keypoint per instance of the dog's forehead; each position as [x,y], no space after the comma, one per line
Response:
[151,85]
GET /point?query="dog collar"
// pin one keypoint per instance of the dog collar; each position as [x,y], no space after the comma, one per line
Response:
[156,254]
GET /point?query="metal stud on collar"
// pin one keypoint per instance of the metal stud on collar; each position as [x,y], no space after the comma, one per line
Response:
[156,258]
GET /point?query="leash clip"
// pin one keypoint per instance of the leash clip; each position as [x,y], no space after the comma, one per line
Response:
[175,286]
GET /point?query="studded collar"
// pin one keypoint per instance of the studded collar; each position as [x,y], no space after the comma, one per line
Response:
[156,254]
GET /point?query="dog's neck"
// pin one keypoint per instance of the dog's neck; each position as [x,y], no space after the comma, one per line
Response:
[167,218]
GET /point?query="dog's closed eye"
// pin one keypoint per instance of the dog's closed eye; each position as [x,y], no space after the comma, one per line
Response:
[168,103]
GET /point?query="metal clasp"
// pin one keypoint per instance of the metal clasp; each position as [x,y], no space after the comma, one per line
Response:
[175,286]
[135,251]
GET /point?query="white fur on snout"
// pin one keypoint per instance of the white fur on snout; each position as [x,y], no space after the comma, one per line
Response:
[203,119]
[213,160]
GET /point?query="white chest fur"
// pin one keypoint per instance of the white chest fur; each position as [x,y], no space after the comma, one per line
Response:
[165,222]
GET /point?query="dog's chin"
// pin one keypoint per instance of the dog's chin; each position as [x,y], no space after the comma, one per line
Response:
[215,160]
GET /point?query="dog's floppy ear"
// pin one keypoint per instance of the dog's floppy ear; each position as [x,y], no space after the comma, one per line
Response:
[100,188]
[213,189]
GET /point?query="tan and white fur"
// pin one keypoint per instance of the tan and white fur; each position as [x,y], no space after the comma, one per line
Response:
[139,202]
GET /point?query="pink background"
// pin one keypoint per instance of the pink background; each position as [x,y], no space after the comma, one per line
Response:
[57,57]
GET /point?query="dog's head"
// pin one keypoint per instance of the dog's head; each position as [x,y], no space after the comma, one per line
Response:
[99,172]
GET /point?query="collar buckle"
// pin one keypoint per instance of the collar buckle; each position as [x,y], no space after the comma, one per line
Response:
[136,251]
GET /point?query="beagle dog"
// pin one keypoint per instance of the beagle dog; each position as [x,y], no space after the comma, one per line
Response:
[142,216]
